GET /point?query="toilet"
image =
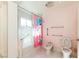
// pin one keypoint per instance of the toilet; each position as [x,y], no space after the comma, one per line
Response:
[66,48]
[66,53]
[48,47]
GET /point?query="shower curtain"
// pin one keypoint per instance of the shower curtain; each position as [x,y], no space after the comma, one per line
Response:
[37,31]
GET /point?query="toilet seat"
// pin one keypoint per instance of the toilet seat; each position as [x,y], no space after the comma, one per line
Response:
[66,50]
[66,42]
[66,45]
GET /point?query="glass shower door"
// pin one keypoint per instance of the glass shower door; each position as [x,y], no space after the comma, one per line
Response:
[25,31]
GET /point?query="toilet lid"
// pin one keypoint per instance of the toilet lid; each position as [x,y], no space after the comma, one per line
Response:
[66,42]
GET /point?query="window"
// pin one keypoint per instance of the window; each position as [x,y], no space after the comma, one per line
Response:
[29,23]
[26,22]
[23,22]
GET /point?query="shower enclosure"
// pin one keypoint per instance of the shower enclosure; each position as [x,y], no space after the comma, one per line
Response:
[29,31]
[25,29]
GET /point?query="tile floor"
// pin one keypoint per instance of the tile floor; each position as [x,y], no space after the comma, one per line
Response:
[40,53]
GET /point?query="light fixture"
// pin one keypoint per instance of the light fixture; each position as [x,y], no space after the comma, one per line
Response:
[49,4]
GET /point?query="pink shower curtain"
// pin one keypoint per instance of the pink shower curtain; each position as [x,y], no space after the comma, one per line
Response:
[37,37]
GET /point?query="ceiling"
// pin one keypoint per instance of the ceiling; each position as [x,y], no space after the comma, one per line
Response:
[36,7]
[33,6]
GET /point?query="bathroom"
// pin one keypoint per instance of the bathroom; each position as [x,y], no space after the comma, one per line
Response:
[39,29]
[58,23]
